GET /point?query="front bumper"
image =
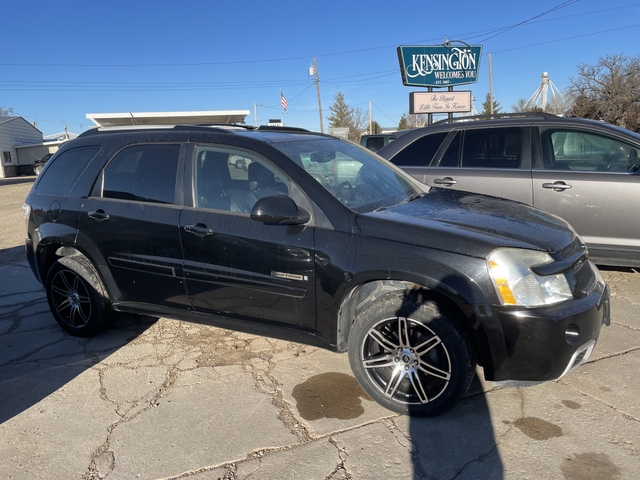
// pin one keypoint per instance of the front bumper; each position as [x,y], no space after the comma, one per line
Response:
[545,343]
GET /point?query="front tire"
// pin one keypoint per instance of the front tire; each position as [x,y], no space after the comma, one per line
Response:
[411,355]
[77,297]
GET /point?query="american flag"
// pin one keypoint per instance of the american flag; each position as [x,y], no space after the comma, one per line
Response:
[283,102]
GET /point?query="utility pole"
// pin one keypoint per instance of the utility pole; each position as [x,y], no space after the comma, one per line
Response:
[490,86]
[370,120]
[315,71]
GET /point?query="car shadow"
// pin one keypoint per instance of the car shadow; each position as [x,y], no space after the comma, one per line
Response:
[37,357]
[460,443]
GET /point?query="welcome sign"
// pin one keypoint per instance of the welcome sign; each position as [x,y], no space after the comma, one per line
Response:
[439,66]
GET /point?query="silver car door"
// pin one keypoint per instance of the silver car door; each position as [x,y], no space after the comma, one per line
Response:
[586,180]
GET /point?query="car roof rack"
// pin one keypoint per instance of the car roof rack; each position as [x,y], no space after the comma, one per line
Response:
[498,116]
[209,127]
[274,128]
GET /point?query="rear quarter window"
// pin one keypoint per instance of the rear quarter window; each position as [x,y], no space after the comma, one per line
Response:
[63,171]
[420,153]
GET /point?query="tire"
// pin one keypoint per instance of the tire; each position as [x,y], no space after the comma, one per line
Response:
[77,297]
[37,169]
[411,356]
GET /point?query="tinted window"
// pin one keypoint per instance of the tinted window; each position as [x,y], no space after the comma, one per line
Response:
[492,148]
[576,150]
[64,170]
[143,173]
[233,180]
[420,152]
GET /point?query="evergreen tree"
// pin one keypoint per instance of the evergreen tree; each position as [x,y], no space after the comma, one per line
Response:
[341,113]
[486,106]
[375,127]
[402,125]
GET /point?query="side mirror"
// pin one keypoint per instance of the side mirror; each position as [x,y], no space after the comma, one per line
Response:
[279,210]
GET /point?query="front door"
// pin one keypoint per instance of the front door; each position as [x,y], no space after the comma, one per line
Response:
[586,180]
[236,266]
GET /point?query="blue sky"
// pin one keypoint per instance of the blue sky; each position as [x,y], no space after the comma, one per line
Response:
[61,61]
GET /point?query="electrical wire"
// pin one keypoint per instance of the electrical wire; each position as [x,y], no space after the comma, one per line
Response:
[495,31]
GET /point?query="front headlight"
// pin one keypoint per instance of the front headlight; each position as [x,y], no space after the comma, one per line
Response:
[516,284]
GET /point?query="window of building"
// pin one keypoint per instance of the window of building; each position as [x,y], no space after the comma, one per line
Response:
[6,158]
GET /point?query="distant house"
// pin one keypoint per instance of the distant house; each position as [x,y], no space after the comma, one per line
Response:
[21,144]
[16,132]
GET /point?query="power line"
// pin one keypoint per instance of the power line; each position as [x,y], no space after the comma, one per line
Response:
[547,12]
[567,38]
[496,31]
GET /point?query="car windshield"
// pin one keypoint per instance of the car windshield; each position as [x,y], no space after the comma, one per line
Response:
[351,174]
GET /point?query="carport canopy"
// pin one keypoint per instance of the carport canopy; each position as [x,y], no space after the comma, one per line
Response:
[168,118]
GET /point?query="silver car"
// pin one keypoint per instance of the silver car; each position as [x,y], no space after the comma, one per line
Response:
[584,171]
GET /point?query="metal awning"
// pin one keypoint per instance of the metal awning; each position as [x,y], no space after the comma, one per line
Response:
[167,118]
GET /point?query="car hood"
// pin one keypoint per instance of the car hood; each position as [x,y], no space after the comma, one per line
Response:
[468,223]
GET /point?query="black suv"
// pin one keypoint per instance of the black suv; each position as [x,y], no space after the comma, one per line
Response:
[418,286]
[584,171]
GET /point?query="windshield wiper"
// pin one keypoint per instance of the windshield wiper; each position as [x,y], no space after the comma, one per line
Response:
[416,196]
[411,198]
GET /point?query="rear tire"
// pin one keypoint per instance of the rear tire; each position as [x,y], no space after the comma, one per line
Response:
[411,356]
[77,297]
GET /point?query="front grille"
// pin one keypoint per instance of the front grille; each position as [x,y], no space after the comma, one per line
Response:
[585,278]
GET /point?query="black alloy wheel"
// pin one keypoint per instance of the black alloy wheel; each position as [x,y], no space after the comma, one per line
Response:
[77,298]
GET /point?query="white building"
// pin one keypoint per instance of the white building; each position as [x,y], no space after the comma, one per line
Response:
[20,144]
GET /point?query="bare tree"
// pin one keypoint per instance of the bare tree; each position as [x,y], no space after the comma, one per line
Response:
[608,90]
[412,120]
[359,123]
[520,106]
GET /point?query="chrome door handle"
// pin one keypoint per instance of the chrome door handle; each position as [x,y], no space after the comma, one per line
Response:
[99,215]
[446,181]
[557,186]
[199,230]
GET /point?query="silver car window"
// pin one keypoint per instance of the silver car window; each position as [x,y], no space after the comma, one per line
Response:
[583,151]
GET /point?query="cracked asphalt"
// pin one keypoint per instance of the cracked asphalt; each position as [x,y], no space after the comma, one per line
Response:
[162,399]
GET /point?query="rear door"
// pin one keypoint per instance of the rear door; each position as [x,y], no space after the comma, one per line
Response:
[234,265]
[585,179]
[493,161]
[129,226]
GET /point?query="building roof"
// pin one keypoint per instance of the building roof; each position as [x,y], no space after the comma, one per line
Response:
[59,137]
[18,118]
[167,118]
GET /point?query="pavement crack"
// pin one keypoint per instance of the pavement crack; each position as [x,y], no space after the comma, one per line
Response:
[103,458]
[497,441]
[612,355]
[340,471]
[600,400]
[24,356]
